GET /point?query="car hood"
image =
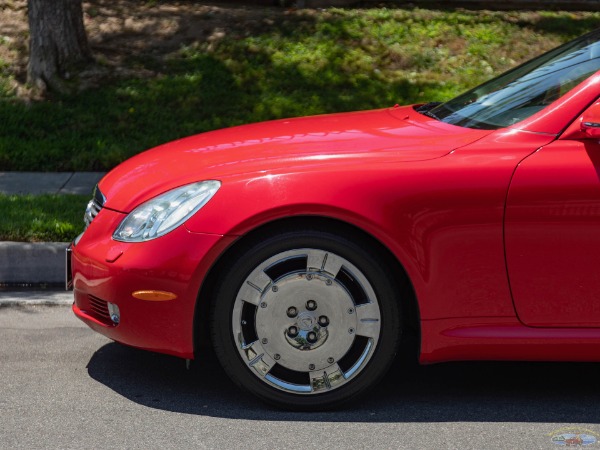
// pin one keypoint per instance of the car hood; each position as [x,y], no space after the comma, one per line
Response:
[384,136]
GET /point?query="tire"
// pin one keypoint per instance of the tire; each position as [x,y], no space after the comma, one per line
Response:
[306,320]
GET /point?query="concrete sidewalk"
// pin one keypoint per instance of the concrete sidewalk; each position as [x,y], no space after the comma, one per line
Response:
[49,182]
[23,263]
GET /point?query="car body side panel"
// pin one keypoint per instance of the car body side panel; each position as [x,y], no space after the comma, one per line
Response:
[553,235]
[497,339]
[443,219]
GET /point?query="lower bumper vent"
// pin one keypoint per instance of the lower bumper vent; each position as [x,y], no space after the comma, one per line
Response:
[99,310]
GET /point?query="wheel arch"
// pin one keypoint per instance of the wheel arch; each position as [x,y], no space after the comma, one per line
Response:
[410,307]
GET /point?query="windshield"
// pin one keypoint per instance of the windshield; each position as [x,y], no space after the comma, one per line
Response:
[525,90]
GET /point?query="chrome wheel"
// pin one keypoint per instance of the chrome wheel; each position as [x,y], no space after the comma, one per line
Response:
[306,321]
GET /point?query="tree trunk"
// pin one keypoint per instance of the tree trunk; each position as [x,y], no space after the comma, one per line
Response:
[58,44]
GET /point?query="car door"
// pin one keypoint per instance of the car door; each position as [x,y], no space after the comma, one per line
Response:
[552,230]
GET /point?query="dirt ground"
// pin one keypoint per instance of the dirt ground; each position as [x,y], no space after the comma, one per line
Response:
[118,29]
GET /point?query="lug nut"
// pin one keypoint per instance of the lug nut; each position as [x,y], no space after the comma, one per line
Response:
[330,360]
[277,356]
[274,288]
[311,337]
[292,311]
[309,277]
[293,331]
[323,321]
[328,282]
[311,367]
[311,305]
[351,330]
[265,341]
[350,310]
[263,304]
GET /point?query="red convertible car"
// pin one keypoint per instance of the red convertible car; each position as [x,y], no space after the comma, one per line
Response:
[303,250]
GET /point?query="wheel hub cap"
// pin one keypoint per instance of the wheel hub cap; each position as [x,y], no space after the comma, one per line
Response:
[314,344]
[312,327]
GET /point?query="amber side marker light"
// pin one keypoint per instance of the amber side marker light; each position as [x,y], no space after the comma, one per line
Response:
[154,296]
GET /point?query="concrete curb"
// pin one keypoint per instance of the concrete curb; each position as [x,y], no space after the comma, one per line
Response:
[32,263]
[38,264]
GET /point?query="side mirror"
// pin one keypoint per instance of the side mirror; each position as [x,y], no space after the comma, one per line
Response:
[591,129]
[590,122]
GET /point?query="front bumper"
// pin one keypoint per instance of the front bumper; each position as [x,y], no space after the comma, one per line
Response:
[106,272]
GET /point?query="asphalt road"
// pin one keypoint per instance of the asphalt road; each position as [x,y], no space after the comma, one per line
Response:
[63,386]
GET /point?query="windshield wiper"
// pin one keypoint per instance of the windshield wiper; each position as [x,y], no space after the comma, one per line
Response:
[426,109]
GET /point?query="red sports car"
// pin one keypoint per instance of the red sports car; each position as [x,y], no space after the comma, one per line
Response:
[303,250]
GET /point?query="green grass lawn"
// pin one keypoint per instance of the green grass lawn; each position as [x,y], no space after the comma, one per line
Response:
[41,218]
[293,63]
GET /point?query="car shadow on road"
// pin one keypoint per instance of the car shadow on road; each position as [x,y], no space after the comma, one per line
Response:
[466,391]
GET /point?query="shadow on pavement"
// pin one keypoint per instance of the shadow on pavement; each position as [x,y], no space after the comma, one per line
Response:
[451,392]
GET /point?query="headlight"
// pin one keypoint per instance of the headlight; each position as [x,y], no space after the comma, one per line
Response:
[162,214]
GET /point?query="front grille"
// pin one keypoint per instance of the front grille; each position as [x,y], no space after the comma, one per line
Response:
[99,309]
[93,207]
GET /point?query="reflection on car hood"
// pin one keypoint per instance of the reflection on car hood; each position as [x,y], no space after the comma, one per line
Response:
[383,136]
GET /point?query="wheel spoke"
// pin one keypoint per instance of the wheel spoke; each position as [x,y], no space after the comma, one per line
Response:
[369,323]
[254,286]
[322,261]
[258,359]
[328,378]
